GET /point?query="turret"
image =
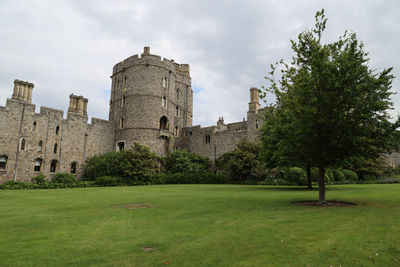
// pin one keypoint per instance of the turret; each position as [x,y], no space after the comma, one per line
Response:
[254,104]
[23,91]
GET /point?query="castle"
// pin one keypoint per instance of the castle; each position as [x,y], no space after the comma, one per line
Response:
[151,103]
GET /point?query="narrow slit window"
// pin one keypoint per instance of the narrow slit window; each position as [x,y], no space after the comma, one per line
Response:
[23,144]
[40,145]
[55,148]
[57,130]
[164,101]
[177,111]
[34,126]
[121,123]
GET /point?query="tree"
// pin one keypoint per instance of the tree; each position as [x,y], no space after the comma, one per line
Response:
[180,161]
[242,163]
[330,106]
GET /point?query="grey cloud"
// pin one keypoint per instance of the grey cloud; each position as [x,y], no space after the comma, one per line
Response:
[71,46]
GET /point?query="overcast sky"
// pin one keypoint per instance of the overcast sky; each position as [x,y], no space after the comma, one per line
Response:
[66,47]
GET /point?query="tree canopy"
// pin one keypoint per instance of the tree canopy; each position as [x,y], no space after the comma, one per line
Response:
[330,106]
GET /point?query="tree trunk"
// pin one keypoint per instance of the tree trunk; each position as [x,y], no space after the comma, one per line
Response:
[321,184]
[309,180]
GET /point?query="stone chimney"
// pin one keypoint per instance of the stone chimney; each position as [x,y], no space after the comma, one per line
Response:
[254,104]
[77,104]
[23,91]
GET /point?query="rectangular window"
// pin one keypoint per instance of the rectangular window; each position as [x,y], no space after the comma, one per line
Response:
[208,139]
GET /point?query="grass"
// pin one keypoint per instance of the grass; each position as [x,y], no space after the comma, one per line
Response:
[200,225]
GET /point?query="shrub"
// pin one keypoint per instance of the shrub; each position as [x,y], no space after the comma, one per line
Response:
[108,181]
[188,178]
[295,175]
[350,175]
[64,178]
[180,161]
[39,179]
[338,175]
[11,185]
[135,166]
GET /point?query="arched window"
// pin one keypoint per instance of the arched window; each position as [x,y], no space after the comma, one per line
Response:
[74,166]
[164,82]
[121,145]
[34,126]
[121,123]
[176,131]
[163,123]
[37,167]
[177,111]
[22,147]
[39,149]
[123,100]
[53,165]
[164,101]
[125,82]
[177,93]
[57,129]
[55,148]
[3,162]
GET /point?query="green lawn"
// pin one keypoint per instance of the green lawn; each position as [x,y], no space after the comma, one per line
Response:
[200,225]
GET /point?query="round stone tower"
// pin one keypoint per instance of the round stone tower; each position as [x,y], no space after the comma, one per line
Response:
[151,100]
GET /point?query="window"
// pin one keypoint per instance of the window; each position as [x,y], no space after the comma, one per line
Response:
[55,148]
[208,139]
[177,93]
[123,100]
[117,85]
[125,82]
[37,167]
[34,126]
[163,123]
[256,124]
[57,129]
[176,131]
[39,149]
[73,167]
[177,111]
[3,162]
[53,165]
[164,101]
[121,123]
[23,144]
[121,146]
[164,82]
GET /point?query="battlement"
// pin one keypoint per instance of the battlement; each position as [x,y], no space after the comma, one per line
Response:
[149,59]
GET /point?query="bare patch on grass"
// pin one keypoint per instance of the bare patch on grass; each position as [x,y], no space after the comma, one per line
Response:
[134,206]
[148,248]
[316,203]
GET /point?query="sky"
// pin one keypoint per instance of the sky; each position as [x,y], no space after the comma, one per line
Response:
[66,47]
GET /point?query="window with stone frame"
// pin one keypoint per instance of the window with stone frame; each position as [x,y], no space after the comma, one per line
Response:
[121,146]
[3,162]
[207,139]
[123,100]
[117,84]
[164,82]
[125,84]
[163,123]
[176,131]
[57,130]
[177,111]
[53,166]
[40,146]
[37,166]
[164,101]
[23,143]
[121,123]
[74,166]
[177,93]
[34,126]
[55,148]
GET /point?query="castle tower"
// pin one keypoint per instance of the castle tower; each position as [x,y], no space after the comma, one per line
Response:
[254,104]
[151,100]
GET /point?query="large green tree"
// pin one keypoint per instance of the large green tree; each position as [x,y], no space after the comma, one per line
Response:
[330,105]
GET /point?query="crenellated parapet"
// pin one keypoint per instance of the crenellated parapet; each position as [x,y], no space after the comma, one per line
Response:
[22,91]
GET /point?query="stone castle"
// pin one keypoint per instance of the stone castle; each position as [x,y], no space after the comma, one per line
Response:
[151,103]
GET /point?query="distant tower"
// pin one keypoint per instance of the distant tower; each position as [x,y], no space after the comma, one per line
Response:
[151,100]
